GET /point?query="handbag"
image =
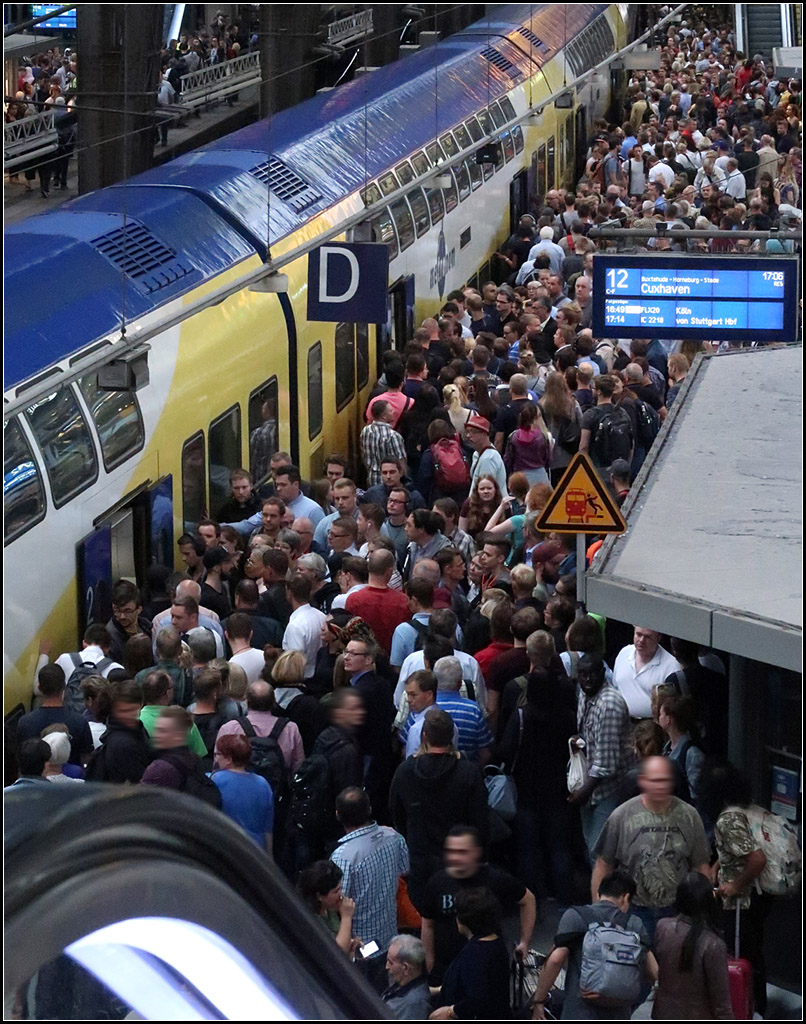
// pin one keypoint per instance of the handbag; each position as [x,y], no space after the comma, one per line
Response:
[577,775]
[502,793]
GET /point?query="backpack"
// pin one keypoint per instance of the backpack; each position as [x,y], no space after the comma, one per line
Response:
[522,681]
[782,874]
[450,468]
[568,434]
[421,629]
[73,696]
[267,758]
[194,780]
[96,766]
[612,960]
[648,423]
[613,438]
[311,796]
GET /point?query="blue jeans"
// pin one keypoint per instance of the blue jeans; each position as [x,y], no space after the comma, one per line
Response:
[594,818]
[650,916]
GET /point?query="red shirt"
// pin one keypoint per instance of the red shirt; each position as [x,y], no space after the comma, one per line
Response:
[487,655]
[383,609]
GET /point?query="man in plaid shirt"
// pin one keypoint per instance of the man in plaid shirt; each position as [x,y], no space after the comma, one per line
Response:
[603,720]
[379,441]
[372,858]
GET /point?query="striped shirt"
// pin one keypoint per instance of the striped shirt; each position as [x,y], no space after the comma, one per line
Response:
[372,859]
[474,733]
[379,442]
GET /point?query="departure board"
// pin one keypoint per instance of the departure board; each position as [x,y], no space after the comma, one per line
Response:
[713,298]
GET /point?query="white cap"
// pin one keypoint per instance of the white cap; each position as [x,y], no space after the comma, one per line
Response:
[59,743]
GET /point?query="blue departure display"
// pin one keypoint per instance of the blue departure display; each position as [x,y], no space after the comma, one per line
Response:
[66,20]
[677,296]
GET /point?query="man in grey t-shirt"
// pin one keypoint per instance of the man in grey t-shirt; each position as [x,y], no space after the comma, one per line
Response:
[657,839]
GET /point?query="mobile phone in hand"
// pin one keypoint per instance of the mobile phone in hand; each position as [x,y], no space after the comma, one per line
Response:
[368,949]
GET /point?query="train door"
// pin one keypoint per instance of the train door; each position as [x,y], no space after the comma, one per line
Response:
[581,148]
[518,198]
[401,298]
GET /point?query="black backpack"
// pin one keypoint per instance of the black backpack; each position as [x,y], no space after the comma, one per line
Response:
[648,423]
[195,781]
[311,796]
[96,766]
[613,438]
[73,695]
[267,758]
[421,629]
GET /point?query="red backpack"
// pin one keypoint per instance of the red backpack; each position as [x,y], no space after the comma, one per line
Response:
[450,468]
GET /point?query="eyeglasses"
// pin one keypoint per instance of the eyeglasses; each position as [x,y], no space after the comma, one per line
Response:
[355,654]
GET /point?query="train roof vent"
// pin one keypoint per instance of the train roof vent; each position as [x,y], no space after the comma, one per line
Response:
[286,184]
[499,60]
[134,250]
[533,38]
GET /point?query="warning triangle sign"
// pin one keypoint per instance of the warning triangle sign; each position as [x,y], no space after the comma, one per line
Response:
[581,503]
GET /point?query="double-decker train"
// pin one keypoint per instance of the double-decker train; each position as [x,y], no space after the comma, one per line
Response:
[99,483]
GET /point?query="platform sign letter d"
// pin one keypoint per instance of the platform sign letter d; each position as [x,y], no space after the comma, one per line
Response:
[326,254]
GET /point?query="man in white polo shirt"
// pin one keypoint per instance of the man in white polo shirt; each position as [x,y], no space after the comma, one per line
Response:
[639,668]
[305,625]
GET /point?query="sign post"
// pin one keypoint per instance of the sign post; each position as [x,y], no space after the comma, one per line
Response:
[581,504]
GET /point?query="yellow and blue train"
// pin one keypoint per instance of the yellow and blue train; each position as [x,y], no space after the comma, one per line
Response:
[99,483]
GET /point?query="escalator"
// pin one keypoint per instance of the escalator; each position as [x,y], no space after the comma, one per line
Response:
[761,28]
[133,903]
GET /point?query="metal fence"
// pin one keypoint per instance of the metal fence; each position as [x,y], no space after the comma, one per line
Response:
[206,86]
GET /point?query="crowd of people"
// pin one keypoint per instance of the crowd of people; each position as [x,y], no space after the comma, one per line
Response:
[346,667]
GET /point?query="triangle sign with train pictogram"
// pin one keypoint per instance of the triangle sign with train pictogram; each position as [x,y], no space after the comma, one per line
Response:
[581,503]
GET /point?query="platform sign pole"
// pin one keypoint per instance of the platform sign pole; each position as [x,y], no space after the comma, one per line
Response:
[581,537]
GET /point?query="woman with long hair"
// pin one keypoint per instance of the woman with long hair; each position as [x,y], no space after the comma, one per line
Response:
[692,958]
[766,189]
[321,491]
[485,497]
[319,887]
[481,401]
[786,182]
[563,417]
[528,449]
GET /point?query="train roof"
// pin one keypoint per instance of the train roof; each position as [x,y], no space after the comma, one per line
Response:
[137,244]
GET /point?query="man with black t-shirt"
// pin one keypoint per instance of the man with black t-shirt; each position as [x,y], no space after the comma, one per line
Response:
[465,869]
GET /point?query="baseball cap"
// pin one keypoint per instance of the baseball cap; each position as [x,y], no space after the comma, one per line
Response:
[477,422]
[215,556]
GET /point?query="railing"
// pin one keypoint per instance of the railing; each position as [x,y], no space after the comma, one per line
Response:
[347,30]
[28,138]
[208,85]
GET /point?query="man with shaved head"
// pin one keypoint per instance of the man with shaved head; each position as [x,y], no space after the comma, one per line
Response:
[657,839]
[262,721]
[207,618]
[382,608]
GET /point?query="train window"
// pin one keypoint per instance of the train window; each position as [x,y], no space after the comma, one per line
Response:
[451,195]
[448,143]
[65,442]
[345,364]
[486,122]
[264,421]
[362,354]
[419,207]
[118,421]
[462,180]
[315,403]
[371,194]
[401,214]
[462,136]
[509,146]
[498,116]
[540,184]
[488,170]
[517,136]
[436,204]
[473,282]
[421,163]
[435,154]
[388,183]
[23,493]
[404,173]
[474,128]
[383,230]
[550,162]
[499,156]
[475,172]
[224,454]
[194,500]
[506,106]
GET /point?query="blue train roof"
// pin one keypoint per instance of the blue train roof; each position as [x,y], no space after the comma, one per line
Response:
[196,216]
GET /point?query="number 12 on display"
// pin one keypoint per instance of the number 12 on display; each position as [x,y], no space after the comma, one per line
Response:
[617,278]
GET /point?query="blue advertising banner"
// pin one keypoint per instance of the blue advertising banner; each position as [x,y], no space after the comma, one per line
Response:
[348,282]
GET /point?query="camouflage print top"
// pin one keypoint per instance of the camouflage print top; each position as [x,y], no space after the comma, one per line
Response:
[734,843]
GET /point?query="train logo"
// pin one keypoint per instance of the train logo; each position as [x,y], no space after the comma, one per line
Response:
[446,261]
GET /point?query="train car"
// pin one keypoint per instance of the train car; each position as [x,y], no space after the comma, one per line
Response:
[99,483]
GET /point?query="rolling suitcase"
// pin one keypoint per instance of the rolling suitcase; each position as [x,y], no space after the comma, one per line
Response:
[740,979]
